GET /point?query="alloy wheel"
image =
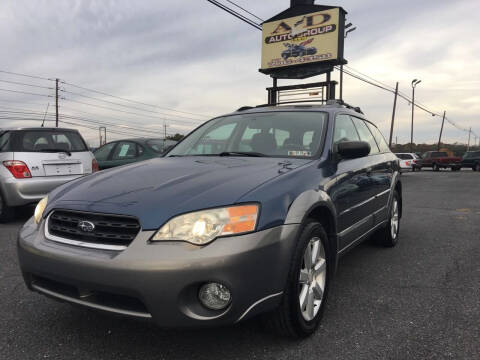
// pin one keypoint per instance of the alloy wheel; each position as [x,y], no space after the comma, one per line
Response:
[312,279]
[394,219]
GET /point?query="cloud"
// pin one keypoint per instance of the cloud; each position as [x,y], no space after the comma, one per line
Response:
[191,56]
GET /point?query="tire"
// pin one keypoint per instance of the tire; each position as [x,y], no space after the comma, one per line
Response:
[435,167]
[388,236]
[6,212]
[290,319]
[476,167]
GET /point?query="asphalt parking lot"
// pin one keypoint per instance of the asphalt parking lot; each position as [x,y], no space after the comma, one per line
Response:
[420,300]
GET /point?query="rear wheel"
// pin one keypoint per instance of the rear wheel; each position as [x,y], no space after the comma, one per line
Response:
[6,212]
[477,167]
[304,298]
[388,236]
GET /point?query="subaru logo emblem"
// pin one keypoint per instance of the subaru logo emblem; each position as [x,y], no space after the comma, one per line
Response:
[86,226]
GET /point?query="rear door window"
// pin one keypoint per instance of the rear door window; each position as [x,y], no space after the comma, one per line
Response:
[366,135]
[125,150]
[49,140]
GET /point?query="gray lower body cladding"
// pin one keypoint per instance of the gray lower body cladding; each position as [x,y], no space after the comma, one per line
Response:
[161,280]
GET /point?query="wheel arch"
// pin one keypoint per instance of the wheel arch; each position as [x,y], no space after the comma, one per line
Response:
[318,206]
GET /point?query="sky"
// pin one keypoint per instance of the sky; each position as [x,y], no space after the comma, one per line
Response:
[192,57]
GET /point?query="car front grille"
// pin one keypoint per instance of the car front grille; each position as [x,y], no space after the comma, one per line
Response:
[111,232]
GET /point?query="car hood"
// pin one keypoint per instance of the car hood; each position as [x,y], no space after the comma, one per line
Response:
[158,189]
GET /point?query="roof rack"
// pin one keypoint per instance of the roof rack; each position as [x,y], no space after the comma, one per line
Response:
[326,102]
[343,103]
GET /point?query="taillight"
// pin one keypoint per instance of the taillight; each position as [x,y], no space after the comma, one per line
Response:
[95,167]
[414,161]
[18,169]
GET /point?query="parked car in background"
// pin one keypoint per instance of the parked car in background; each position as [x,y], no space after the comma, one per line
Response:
[34,161]
[409,161]
[440,160]
[122,152]
[471,160]
[247,215]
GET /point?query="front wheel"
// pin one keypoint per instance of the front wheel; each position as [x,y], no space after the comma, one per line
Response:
[305,295]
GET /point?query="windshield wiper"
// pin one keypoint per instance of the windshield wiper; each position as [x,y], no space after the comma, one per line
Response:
[241,153]
[55,150]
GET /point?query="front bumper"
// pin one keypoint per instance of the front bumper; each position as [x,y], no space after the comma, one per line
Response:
[19,192]
[161,280]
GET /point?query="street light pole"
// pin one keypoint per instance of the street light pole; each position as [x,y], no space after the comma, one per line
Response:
[415,82]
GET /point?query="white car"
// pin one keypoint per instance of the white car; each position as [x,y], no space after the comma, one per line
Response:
[34,161]
[409,161]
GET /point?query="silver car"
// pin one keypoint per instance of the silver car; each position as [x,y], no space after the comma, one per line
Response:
[34,161]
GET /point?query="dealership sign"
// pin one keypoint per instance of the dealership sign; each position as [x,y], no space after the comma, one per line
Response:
[313,40]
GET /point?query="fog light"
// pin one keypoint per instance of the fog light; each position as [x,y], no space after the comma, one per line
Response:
[214,296]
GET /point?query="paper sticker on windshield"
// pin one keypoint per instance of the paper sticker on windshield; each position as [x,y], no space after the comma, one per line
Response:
[299,153]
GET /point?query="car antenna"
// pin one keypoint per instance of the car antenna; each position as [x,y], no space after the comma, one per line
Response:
[43,122]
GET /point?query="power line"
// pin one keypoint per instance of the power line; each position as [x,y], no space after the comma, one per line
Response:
[25,92]
[133,101]
[123,111]
[89,115]
[24,84]
[127,106]
[236,14]
[25,75]
[248,12]
[24,115]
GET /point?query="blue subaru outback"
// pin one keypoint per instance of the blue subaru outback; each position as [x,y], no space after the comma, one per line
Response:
[247,215]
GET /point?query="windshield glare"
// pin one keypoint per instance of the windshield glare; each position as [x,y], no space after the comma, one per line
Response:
[274,134]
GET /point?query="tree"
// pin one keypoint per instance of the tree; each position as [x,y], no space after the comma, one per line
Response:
[176,137]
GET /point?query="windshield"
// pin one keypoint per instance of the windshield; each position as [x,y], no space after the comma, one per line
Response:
[273,134]
[49,140]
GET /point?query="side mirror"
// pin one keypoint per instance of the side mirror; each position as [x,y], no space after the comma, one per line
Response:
[353,149]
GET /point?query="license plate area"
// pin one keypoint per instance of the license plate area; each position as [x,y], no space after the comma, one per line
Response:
[62,169]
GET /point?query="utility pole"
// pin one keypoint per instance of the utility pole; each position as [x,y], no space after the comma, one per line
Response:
[165,131]
[56,102]
[415,82]
[393,115]
[103,137]
[441,131]
[469,133]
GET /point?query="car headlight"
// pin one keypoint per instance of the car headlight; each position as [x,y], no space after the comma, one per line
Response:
[38,214]
[202,227]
